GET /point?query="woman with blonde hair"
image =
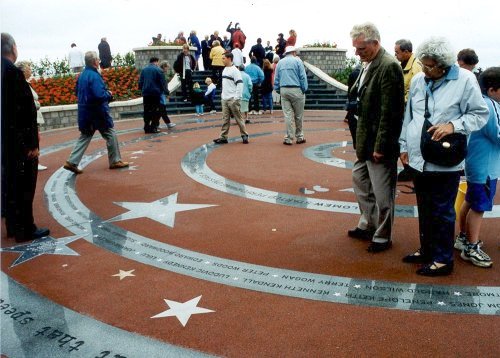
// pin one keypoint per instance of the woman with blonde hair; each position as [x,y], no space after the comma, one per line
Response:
[217,63]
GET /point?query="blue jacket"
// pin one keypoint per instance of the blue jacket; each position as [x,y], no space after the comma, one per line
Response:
[247,86]
[483,150]
[93,101]
[152,81]
[456,100]
[193,40]
[255,73]
[290,72]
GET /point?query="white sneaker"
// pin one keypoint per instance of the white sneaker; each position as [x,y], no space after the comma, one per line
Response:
[41,167]
[202,114]
[261,112]
[474,254]
[171,125]
[213,111]
[253,112]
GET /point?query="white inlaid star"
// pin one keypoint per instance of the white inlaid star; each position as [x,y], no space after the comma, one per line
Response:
[357,286]
[441,303]
[457,293]
[162,210]
[182,311]
[337,294]
[122,274]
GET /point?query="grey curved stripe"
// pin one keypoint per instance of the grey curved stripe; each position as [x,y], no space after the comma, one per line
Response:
[38,327]
[69,211]
[195,166]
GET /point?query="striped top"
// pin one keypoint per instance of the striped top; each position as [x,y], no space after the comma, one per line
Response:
[232,84]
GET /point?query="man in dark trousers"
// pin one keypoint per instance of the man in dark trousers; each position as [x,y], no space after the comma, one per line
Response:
[184,65]
[152,83]
[105,53]
[258,52]
[19,149]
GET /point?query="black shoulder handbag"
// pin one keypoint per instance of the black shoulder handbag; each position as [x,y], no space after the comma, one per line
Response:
[447,152]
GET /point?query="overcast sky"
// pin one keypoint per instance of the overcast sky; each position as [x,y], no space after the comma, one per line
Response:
[47,28]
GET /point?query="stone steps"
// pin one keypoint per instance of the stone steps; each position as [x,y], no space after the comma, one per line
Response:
[318,96]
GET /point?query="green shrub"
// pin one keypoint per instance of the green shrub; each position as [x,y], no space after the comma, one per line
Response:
[343,75]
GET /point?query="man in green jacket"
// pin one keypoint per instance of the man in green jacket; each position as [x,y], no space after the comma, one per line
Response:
[380,93]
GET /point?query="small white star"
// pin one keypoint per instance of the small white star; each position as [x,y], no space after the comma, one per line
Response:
[122,274]
[182,311]
[275,275]
[337,294]
[441,303]
[457,293]
[235,278]
[357,286]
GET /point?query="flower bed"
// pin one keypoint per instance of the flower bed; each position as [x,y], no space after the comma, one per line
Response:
[53,91]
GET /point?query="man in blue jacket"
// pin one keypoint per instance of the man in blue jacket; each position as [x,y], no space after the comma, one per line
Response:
[152,83]
[257,76]
[93,114]
[290,82]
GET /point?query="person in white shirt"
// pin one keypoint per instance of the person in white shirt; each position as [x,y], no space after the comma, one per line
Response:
[75,59]
[210,95]
[237,55]
[232,88]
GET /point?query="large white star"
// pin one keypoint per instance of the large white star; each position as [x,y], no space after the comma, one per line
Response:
[162,210]
[182,311]
[122,274]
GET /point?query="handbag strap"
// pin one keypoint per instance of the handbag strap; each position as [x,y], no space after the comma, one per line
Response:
[495,108]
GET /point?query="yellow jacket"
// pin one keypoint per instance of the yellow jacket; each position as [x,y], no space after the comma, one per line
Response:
[216,55]
[412,67]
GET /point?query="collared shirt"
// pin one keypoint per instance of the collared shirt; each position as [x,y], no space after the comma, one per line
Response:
[457,100]
[290,72]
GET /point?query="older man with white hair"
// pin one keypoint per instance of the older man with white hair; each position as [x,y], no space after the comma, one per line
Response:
[93,114]
[290,81]
[380,96]
[20,148]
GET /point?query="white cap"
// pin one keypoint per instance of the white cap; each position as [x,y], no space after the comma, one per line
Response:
[289,49]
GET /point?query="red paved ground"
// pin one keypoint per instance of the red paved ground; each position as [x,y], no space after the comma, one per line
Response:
[248,323]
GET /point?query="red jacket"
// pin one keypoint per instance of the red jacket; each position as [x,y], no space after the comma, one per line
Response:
[239,38]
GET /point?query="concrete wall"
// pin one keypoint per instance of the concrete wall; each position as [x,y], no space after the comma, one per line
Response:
[67,115]
[329,60]
[168,53]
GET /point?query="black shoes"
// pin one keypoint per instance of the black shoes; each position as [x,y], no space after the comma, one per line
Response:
[40,232]
[416,258]
[220,141]
[36,234]
[361,234]
[245,139]
[433,270]
[379,246]
[300,141]
[287,143]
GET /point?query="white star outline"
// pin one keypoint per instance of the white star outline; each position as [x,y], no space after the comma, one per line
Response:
[162,210]
[183,311]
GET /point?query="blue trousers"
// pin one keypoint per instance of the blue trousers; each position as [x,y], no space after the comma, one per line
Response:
[436,193]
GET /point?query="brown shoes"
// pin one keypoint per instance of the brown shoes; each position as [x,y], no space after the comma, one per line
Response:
[118,165]
[72,168]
